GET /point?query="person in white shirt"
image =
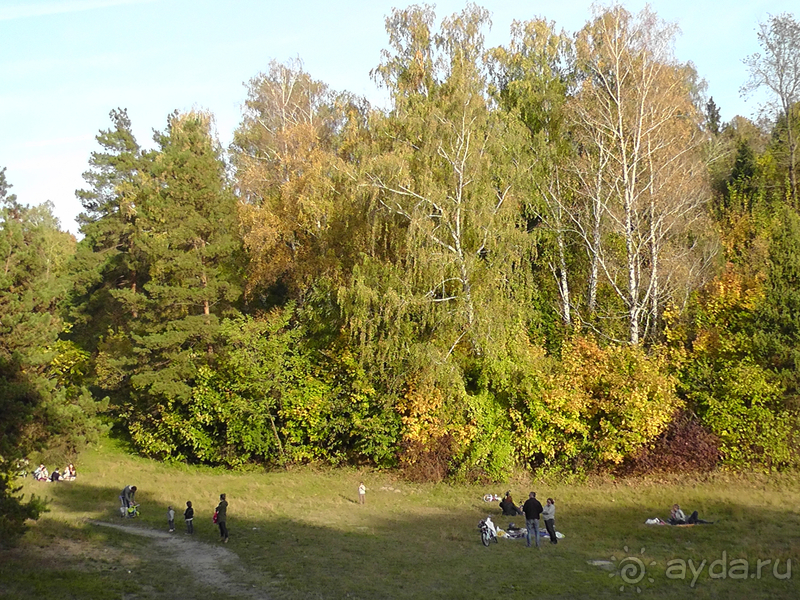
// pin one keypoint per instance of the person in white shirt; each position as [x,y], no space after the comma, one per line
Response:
[362,493]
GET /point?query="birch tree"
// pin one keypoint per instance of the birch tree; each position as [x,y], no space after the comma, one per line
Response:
[290,153]
[778,69]
[639,164]
[448,175]
[532,76]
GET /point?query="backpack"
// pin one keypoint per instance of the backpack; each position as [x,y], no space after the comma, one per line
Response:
[215,517]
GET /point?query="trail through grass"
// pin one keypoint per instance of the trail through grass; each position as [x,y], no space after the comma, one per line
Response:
[301,534]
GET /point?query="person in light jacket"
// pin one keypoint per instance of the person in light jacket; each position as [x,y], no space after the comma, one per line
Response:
[127,496]
[549,516]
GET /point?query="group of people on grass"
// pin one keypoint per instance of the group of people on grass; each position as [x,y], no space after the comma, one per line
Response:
[533,510]
[42,474]
[127,500]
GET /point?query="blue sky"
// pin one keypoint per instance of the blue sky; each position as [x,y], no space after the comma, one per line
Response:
[64,64]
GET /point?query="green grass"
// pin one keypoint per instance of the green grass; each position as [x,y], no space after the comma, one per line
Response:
[301,534]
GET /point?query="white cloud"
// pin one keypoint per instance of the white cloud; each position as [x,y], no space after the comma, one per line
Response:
[23,10]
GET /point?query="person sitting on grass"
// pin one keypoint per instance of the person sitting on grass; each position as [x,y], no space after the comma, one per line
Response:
[41,474]
[69,473]
[55,476]
[508,507]
[677,517]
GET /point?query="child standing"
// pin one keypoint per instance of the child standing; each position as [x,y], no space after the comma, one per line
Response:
[171,519]
[222,518]
[362,493]
[188,516]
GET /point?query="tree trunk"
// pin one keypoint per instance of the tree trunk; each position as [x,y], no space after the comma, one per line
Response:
[594,271]
[563,282]
[792,140]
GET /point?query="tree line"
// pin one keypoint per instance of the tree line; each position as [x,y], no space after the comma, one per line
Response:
[550,255]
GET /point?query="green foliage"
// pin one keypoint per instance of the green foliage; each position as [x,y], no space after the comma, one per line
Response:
[44,403]
[740,403]
[738,399]
[228,415]
[264,400]
[14,511]
[596,407]
[490,452]
[335,415]
[70,416]
[778,315]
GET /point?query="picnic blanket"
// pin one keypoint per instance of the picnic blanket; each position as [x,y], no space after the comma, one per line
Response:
[657,521]
[514,532]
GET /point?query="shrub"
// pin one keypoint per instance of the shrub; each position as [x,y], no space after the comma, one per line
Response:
[427,462]
[740,402]
[14,511]
[587,410]
[684,447]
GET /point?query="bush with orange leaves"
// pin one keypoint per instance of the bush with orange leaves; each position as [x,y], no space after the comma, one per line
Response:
[594,407]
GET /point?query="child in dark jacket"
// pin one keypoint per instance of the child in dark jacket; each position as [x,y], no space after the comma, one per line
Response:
[188,516]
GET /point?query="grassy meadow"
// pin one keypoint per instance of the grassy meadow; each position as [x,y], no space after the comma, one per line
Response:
[301,534]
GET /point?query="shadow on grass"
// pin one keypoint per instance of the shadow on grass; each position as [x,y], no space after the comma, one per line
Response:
[385,550]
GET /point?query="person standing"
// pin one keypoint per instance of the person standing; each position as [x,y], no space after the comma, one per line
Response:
[222,518]
[362,493]
[171,519]
[549,516]
[532,509]
[188,516]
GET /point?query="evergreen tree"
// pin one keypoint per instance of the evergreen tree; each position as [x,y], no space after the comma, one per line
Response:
[186,230]
[37,402]
[713,120]
[108,263]
[778,317]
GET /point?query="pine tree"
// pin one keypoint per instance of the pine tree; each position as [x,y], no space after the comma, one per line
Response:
[713,119]
[33,252]
[108,262]
[779,316]
[187,232]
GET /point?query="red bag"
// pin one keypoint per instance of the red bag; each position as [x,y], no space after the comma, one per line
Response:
[215,517]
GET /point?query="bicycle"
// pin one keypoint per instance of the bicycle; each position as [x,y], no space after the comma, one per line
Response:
[129,512]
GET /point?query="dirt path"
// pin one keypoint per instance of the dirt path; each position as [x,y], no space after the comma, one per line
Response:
[213,566]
